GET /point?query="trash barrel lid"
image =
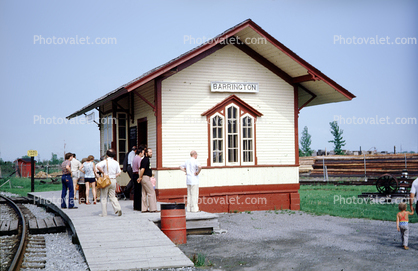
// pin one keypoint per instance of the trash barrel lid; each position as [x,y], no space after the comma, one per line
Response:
[171,206]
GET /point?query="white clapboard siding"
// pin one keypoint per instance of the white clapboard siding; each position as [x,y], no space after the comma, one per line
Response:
[168,179]
[144,110]
[186,95]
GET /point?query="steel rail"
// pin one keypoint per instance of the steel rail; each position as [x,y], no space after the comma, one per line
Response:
[20,250]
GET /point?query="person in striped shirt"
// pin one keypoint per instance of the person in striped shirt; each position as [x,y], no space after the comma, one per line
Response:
[402,223]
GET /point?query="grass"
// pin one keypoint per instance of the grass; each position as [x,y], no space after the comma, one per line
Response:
[22,186]
[342,201]
[199,260]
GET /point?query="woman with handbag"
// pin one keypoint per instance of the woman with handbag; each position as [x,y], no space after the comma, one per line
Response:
[110,169]
[89,170]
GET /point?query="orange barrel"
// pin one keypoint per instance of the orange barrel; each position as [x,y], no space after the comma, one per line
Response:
[173,222]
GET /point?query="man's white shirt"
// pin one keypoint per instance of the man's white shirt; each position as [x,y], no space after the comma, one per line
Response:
[113,169]
[191,166]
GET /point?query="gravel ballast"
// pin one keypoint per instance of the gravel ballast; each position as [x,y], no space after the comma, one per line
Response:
[61,253]
[287,240]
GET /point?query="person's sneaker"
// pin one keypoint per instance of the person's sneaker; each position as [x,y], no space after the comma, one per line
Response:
[405,247]
[74,207]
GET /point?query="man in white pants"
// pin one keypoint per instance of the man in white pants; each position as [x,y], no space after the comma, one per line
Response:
[192,169]
[112,171]
[75,173]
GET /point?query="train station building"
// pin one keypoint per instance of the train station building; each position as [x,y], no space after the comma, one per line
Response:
[235,100]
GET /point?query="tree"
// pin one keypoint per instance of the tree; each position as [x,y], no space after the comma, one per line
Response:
[305,143]
[55,160]
[338,138]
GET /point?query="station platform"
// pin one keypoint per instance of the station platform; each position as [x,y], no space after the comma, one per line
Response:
[129,242]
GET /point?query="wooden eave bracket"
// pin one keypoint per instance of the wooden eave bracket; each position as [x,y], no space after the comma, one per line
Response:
[308,101]
[304,78]
[145,100]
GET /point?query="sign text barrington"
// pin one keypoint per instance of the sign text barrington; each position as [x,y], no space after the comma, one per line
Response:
[233,87]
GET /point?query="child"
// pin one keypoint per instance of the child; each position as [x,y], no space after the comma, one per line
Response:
[402,223]
[153,181]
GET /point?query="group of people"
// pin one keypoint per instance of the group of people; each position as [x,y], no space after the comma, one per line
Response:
[73,171]
[138,165]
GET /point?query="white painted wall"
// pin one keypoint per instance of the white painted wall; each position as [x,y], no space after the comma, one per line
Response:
[186,95]
[167,179]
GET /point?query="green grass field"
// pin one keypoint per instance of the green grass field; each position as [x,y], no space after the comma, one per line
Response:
[342,201]
[21,186]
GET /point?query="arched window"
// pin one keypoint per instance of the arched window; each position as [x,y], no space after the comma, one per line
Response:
[232,133]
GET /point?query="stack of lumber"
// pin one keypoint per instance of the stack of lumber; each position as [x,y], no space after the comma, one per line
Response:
[376,165]
[306,164]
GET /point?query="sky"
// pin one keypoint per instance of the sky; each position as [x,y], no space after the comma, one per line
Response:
[41,82]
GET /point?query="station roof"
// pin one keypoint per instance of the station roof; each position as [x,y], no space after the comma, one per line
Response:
[315,88]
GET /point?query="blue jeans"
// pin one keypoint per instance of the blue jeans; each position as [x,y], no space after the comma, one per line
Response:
[67,183]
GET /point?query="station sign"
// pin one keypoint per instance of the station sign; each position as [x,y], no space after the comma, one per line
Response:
[32,153]
[233,87]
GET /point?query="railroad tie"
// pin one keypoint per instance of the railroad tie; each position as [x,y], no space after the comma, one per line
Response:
[35,256]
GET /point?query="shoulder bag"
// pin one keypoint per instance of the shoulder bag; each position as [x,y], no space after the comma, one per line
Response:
[103,182]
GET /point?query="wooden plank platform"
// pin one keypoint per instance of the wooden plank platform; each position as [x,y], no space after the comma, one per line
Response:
[47,225]
[128,242]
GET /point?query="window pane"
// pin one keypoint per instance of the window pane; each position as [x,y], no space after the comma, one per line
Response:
[230,155]
[122,146]
[122,132]
[217,139]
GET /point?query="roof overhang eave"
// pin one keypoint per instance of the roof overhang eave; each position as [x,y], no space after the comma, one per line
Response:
[97,103]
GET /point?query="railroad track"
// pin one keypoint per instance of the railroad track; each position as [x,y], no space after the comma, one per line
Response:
[21,248]
[17,243]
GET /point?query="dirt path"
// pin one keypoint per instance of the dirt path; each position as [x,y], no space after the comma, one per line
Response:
[285,240]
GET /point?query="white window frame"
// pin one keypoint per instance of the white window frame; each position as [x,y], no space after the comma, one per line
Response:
[211,140]
[243,139]
[238,162]
[107,133]
[126,136]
